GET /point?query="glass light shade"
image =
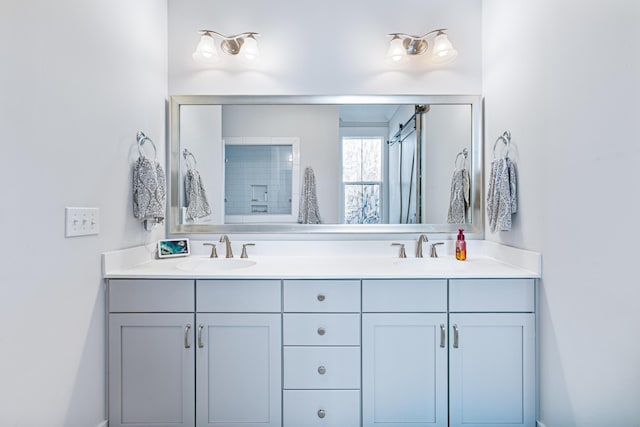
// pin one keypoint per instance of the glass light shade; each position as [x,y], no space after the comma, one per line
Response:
[396,53]
[443,50]
[206,51]
[250,49]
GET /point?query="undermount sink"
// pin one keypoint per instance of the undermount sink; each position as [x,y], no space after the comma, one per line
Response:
[446,264]
[212,265]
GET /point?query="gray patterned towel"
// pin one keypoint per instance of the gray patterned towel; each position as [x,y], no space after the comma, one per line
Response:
[196,197]
[149,190]
[309,212]
[502,198]
[459,199]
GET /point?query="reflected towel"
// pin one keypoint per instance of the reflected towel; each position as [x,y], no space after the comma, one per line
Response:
[196,196]
[149,190]
[309,212]
[459,199]
[502,199]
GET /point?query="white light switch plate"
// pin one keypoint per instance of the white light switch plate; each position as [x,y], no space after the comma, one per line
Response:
[82,221]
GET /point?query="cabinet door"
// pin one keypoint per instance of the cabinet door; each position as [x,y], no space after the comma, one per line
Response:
[404,370]
[492,370]
[239,370]
[151,370]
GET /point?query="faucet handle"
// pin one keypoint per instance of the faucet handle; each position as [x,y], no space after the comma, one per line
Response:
[214,254]
[402,253]
[244,250]
[433,253]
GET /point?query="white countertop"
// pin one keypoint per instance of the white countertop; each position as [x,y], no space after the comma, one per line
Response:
[493,261]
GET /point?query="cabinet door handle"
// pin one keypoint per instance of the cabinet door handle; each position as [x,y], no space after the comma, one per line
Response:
[321,413]
[321,331]
[200,328]
[322,370]
[456,337]
[442,335]
[186,336]
[321,297]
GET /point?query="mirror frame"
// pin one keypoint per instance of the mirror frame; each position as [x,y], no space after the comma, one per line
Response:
[476,226]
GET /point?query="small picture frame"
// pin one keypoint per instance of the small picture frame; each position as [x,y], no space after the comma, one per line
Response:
[170,248]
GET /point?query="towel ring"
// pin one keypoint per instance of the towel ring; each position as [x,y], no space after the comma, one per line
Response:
[506,139]
[142,138]
[464,153]
[186,153]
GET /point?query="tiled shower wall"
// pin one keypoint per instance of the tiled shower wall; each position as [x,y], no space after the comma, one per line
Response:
[258,179]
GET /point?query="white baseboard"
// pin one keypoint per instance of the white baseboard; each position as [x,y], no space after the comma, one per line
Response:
[538,424]
[105,423]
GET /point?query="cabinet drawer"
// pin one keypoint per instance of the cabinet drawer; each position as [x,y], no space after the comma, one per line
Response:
[322,367]
[159,296]
[492,295]
[224,296]
[321,329]
[322,296]
[321,408]
[413,296]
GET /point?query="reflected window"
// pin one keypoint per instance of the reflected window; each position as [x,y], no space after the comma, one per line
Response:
[362,180]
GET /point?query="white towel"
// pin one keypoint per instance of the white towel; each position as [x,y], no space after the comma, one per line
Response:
[459,199]
[502,199]
[196,196]
[309,212]
[149,190]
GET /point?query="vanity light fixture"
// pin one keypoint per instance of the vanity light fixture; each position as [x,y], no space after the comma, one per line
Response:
[403,45]
[243,43]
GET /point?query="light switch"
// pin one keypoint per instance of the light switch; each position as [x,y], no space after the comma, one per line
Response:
[82,221]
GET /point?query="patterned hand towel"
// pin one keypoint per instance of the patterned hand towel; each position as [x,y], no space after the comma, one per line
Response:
[459,200]
[502,200]
[196,197]
[149,190]
[309,212]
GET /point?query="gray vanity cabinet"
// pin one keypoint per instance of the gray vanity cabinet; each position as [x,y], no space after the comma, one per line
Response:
[151,353]
[238,355]
[492,352]
[321,353]
[404,353]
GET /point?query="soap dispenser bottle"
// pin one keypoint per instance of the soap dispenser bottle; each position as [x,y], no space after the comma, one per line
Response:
[461,246]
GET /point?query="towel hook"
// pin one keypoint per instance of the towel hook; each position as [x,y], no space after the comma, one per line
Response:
[142,138]
[463,153]
[506,139]
[186,153]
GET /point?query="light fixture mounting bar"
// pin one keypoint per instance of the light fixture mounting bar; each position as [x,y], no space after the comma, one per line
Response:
[416,45]
[231,44]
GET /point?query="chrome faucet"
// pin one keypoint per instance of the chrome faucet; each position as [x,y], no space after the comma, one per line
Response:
[225,239]
[421,239]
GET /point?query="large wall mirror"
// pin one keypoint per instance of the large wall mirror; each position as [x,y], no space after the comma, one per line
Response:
[325,164]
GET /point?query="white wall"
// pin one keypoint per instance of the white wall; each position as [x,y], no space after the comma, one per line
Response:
[78,80]
[327,47]
[447,130]
[563,78]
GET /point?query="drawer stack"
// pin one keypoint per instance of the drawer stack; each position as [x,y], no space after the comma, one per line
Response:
[321,353]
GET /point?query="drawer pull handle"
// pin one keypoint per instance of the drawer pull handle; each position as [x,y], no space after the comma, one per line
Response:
[186,336]
[321,297]
[456,343]
[321,331]
[442,335]
[200,328]
[321,413]
[322,370]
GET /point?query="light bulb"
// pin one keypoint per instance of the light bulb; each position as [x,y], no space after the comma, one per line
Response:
[206,52]
[250,49]
[443,50]
[396,53]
